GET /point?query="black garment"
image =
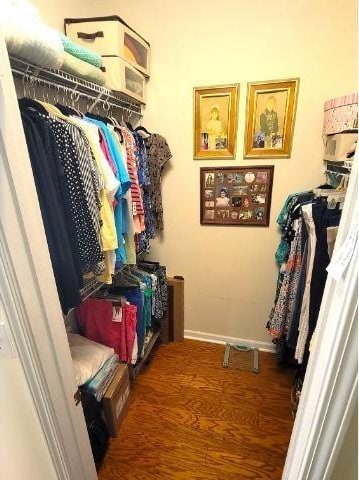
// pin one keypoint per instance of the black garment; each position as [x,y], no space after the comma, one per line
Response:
[78,170]
[73,154]
[96,426]
[50,186]
[323,218]
[161,297]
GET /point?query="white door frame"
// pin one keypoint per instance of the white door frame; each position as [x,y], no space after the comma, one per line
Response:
[29,293]
[38,328]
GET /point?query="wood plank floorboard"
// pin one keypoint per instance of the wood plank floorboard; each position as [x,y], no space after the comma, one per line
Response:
[191,419]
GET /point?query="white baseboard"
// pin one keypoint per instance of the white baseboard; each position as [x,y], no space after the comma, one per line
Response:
[213,338]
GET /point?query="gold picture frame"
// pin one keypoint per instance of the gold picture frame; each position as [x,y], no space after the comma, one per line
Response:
[215,122]
[271,110]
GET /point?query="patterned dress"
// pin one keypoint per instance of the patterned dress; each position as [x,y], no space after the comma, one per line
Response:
[283,309]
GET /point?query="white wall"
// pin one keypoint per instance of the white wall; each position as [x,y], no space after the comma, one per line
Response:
[230,272]
[24,452]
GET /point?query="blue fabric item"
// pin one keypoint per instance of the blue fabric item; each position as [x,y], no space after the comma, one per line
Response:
[141,160]
[284,221]
[122,176]
[125,217]
[282,252]
[81,52]
[99,383]
[144,179]
[147,307]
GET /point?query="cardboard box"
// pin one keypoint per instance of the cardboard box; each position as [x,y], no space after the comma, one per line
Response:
[176,308]
[116,400]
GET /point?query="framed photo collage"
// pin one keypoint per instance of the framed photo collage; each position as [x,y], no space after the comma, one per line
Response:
[236,195]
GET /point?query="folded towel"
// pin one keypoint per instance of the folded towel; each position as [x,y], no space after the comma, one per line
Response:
[30,39]
[100,382]
[82,69]
[80,52]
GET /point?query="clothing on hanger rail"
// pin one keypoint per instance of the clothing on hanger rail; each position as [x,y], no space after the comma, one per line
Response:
[302,275]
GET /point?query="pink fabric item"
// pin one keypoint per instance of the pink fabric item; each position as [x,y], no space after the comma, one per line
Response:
[94,318]
[106,152]
[128,332]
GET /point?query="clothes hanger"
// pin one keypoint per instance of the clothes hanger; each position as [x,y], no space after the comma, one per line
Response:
[67,110]
[149,262]
[46,103]
[115,125]
[142,129]
[129,273]
[115,121]
[30,103]
[124,279]
[116,300]
[97,117]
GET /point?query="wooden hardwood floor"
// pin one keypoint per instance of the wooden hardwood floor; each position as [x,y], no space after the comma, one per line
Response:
[191,419]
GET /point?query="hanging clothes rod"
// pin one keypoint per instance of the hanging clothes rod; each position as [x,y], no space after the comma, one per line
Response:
[75,86]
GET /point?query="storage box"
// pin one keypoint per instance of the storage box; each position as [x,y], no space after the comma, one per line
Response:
[176,308]
[122,77]
[339,145]
[116,400]
[110,36]
[340,114]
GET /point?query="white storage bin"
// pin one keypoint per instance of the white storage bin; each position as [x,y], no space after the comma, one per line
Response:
[123,77]
[110,36]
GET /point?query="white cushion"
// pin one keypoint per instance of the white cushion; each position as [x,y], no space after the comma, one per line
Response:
[88,357]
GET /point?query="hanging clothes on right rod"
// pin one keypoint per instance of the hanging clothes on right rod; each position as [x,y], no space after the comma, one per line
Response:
[309,223]
[307,220]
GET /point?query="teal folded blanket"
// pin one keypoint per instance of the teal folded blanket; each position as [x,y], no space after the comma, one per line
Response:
[83,69]
[82,53]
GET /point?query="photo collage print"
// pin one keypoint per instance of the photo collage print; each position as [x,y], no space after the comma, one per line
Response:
[236,196]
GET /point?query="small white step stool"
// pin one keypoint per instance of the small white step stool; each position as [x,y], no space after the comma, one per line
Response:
[244,349]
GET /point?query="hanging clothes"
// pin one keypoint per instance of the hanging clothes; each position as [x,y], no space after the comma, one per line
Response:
[109,185]
[158,153]
[96,182]
[58,222]
[304,222]
[125,184]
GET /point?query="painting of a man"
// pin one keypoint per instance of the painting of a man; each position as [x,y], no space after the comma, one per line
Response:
[269,122]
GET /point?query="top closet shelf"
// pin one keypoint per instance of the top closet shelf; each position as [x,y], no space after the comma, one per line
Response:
[77,87]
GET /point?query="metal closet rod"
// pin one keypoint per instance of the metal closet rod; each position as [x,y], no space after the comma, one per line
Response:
[100,95]
[122,106]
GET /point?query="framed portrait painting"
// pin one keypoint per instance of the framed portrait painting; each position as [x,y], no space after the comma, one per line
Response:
[271,108]
[215,122]
[236,195]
